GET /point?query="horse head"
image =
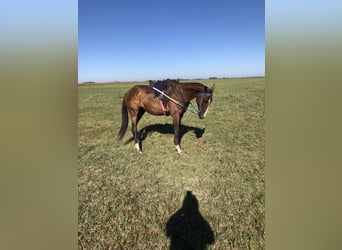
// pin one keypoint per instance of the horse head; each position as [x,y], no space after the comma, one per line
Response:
[203,100]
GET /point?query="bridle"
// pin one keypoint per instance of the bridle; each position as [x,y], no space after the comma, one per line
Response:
[193,108]
[202,95]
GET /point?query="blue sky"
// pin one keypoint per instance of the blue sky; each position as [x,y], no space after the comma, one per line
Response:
[133,40]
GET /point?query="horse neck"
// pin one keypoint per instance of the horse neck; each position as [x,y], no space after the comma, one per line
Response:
[193,89]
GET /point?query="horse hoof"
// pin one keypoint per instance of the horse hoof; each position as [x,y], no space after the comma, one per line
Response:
[178,149]
[138,148]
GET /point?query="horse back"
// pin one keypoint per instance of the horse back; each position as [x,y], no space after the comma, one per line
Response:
[137,90]
[137,95]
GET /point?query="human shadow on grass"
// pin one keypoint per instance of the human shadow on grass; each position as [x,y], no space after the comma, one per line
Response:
[166,129]
[187,228]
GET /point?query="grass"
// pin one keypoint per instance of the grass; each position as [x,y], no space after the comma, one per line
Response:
[126,199]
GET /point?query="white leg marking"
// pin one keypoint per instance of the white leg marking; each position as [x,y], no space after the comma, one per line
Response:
[138,148]
[178,149]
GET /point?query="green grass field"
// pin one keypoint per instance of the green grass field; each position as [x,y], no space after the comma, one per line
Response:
[126,199]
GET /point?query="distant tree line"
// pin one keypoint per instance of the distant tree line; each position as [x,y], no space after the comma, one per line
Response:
[87,82]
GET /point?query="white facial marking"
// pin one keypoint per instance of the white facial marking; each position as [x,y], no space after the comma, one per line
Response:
[205,113]
[178,149]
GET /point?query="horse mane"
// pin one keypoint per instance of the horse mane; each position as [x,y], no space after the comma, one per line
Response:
[186,84]
[195,86]
[191,88]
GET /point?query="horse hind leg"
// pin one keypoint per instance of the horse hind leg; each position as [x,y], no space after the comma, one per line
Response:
[135,120]
[135,135]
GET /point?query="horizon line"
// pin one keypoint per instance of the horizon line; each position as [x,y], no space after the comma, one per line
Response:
[196,78]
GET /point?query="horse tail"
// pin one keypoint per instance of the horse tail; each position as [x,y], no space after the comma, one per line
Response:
[124,122]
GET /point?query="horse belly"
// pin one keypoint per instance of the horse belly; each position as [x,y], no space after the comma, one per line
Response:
[152,105]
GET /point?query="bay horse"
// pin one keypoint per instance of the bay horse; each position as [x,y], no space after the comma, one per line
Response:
[138,100]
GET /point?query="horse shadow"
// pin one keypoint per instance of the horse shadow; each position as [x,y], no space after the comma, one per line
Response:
[187,229]
[167,129]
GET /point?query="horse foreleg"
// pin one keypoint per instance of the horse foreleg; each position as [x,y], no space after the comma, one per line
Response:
[176,122]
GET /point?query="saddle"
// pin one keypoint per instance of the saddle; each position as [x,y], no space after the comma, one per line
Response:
[162,86]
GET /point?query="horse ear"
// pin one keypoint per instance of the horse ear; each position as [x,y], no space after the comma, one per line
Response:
[212,88]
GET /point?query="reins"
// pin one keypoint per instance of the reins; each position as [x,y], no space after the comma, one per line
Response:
[175,101]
